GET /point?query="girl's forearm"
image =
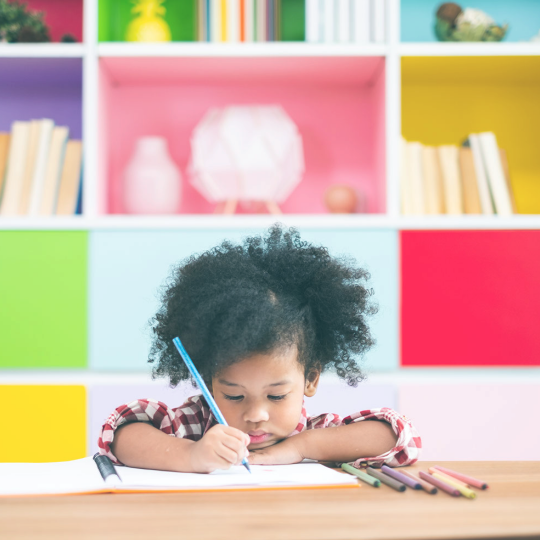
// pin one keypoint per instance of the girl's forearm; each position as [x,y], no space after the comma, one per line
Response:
[347,443]
[146,447]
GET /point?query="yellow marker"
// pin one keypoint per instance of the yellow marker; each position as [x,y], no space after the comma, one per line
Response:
[466,492]
[432,470]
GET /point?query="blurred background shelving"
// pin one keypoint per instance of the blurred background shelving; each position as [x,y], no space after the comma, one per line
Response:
[77,289]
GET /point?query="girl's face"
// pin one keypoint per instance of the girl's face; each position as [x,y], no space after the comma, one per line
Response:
[263,395]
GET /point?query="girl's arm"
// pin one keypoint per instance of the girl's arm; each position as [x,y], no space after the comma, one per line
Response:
[374,437]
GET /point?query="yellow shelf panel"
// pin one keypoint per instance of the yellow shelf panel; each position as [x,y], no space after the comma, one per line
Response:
[446,98]
[43,423]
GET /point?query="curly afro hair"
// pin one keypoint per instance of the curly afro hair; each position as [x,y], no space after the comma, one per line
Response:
[264,295]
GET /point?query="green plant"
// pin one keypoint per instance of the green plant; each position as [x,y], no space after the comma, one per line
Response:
[18,25]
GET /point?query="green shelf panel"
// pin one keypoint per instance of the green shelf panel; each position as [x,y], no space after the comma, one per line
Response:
[43,292]
[115,15]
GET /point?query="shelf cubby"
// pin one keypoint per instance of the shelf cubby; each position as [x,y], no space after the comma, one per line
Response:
[338,104]
[522,16]
[446,98]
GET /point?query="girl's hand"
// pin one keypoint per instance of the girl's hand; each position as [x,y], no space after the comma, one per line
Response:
[220,448]
[283,453]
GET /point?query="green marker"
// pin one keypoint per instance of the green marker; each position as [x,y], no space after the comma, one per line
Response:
[362,475]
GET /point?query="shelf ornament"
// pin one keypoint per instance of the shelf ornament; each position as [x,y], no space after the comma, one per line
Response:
[148,24]
[152,181]
[452,23]
[252,155]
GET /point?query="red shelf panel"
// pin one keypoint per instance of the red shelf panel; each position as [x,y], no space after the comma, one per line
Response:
[470,298]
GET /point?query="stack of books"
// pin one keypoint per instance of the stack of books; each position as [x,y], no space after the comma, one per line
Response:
[345,21]
[448,179]
[40,170]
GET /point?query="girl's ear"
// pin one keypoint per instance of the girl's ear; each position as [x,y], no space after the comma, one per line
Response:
[312,381]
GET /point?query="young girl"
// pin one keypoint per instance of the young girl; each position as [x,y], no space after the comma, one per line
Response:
[261,322]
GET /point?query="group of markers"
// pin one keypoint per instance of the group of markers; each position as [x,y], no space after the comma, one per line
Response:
[454,483]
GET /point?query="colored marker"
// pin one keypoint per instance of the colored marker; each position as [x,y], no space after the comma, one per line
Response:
[474,482]
[206,393]
[401,477]
[362,475]
[440,484]
[433,470]
[398,486]
[426,486]
[465,491]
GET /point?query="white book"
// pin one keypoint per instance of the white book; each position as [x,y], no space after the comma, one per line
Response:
[404,180]
[249,14]
[361,21]
[45,132]
[16,165]
[481,178]
[215,21]
[53,170]
[495,173]
[328,19]
[313,21]
[83,476]
[453,193]
[378,18]
[416,177]
[261,20]
[343,19]
[233,21]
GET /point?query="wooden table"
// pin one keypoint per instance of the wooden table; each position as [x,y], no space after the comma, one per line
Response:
[510,508]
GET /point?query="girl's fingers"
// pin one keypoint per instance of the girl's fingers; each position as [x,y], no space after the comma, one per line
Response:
[236,445]
[230,456]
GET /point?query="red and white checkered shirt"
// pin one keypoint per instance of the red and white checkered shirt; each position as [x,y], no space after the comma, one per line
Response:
[194,418]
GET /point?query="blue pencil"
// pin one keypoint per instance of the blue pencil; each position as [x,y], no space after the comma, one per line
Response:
[206,393]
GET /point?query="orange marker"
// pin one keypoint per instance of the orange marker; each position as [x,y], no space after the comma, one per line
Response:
[433,470]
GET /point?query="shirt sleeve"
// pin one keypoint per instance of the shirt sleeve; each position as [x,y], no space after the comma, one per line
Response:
[408,444]
[189,421]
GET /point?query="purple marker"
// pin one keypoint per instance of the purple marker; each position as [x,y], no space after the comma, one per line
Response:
[400,477]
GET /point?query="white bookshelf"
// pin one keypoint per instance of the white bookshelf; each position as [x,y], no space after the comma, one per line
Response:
[392,51]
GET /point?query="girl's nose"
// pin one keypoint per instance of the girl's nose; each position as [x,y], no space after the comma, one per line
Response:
[255,414]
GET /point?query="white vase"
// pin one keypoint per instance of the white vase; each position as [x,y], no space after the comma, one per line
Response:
[151,179]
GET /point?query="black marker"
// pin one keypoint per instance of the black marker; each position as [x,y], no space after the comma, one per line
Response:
[106,468]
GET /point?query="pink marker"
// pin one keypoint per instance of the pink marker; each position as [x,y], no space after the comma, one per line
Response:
[441,485]
[463,477]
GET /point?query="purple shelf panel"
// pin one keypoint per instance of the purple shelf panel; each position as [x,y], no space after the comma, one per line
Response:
[42,88]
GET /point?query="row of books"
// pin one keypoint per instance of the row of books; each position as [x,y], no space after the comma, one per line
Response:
[250,20]
[315,21]
[448,179]
[40,170]
[345,21]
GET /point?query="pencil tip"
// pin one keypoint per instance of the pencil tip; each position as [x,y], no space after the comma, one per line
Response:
[246,465]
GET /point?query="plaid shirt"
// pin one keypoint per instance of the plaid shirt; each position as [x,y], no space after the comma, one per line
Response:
[194,418]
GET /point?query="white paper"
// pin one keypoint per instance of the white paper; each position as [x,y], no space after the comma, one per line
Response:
[82,476]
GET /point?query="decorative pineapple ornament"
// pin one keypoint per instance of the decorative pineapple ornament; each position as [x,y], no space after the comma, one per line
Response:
[148,24]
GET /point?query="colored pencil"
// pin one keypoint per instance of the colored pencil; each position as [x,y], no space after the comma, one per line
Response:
[362,475]
[401,477]
[433,470]
[465,491]
[426,486]
[202,386]
[440,484]
[398,486]
[474,482]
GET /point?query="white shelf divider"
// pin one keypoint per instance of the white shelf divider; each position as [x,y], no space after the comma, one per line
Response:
[42,50]
[470,49]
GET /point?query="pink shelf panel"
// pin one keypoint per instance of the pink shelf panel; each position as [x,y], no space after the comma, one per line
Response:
[337,104]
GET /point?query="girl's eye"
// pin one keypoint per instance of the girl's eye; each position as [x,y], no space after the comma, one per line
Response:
[277,398]
[233,398]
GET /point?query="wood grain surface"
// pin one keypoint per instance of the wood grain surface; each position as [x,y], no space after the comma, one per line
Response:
[510,508]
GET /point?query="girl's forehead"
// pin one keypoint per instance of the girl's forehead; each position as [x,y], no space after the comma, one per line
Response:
[264,369]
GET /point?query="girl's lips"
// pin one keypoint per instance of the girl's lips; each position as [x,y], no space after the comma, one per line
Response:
[259,437]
